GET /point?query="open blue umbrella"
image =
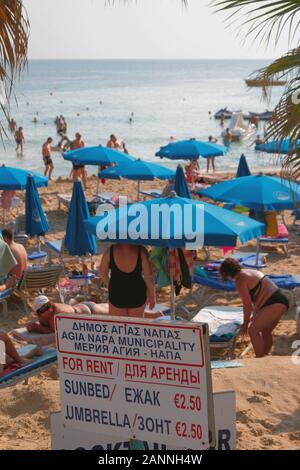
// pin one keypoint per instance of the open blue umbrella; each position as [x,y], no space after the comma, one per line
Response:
[260,193]
[138,170]
[243,169]
[181,187]
[284,147]
[16,178]
[174,222]
[36,223]
[78,241]
[190,150]
[96,156]
[175,226]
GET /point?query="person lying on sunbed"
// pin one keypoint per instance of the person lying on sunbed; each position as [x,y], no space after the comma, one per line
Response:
[46,311]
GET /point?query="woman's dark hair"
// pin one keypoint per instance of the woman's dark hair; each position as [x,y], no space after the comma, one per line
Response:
[230,267]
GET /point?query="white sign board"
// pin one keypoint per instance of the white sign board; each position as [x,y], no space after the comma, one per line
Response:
[64,437]
[137,379]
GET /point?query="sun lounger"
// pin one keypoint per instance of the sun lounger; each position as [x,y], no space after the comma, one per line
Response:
[39,279]
[14,375]
[212,287]
[55,248]
[108,197]
[153,193]
[224,324]
[282,239]
[64,199]
[4,296]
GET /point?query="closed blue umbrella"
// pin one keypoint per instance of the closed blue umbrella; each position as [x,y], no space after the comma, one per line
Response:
[284,147]
[177,227]
[138,170]
[36,222]
[243,169]
[96,156]
[260,193]
[181,187]
[77,240]
[190,150]
[16,178]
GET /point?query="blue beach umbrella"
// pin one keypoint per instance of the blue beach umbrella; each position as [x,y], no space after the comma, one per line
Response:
[36,223]
[138,170]
[77,240]
[243,169]
[181,187]
[284,147]
[190,150]
[174,228]
[260,193]
[96,156]
[16,178]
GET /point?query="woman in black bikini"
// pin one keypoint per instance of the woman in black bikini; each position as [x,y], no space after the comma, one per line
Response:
[130,283]
[264,304]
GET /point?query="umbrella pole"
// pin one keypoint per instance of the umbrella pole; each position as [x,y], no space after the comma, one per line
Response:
[257,251]
[38,244]
[98,180]
[138,190]
[172,299]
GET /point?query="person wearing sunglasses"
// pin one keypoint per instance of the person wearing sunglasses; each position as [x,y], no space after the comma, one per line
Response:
[46,311]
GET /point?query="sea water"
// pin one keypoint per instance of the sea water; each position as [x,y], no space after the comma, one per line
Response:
[167,98]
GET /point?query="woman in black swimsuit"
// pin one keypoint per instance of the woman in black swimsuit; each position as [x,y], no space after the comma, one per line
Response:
[263,302]
[130,283]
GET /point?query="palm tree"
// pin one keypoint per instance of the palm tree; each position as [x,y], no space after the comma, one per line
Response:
[264,20]
[14,33]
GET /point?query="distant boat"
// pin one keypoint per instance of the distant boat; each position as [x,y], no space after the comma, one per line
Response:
[238,128]
[265,83]
[225,111]
[265,116]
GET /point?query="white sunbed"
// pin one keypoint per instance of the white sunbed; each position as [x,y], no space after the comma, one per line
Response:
[64,199]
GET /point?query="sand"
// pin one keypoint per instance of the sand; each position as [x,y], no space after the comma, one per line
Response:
[267,389]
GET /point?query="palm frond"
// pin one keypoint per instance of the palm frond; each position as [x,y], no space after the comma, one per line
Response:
[286,67]
[14,33]
[264,18]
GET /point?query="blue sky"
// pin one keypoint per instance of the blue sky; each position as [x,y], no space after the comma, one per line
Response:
[163,29]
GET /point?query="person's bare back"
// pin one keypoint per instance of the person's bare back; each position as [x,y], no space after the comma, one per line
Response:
[20,254]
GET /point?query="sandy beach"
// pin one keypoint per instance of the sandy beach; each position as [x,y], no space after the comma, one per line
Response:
[267,389]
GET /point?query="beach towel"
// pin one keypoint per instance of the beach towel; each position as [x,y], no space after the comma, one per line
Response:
[223,322]
[21,334]
[7,259]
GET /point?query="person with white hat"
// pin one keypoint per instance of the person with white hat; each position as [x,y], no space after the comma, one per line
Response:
[46,311]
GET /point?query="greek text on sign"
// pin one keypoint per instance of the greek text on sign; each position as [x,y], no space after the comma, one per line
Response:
[139,379]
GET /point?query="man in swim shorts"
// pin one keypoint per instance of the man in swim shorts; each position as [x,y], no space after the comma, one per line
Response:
[46,153]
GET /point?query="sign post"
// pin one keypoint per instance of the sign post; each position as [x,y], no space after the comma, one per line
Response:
[136,379]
